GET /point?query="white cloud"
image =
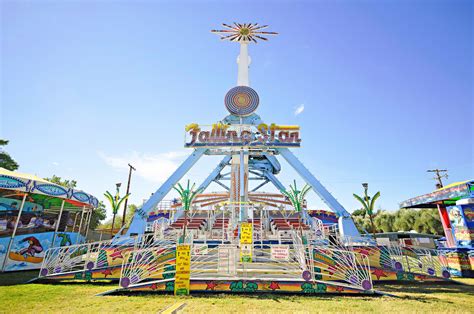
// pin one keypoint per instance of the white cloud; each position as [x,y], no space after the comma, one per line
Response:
[55,163]
[154,168]
[299,109]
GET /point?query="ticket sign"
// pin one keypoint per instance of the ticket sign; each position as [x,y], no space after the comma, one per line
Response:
[183,269]
[280,252]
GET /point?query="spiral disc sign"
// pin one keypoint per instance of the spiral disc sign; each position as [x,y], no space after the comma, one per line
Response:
[241,100]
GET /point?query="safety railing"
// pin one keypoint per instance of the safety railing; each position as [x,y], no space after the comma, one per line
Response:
[94,255]
[423,261]
[223,262]
[268,262]
[348,267]
[159,227]
[398,258]
[153,263]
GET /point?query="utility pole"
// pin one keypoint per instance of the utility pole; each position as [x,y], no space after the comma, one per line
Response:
[439,176]
[126,193]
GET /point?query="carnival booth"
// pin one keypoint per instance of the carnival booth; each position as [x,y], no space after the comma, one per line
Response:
[36,215]
[455,203]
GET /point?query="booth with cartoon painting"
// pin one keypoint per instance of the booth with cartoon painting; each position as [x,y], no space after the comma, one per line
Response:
[36,215]
[455,203]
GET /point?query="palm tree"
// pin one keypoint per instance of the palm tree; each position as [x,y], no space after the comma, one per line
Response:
[187,196]
[296,197]
[368,204]
[115,203]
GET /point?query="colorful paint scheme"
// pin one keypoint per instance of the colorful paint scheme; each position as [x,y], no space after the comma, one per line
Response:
[455,204]
[253,286]
[223,135]
[244,241]
[11,180]
[28,250]
[36,215]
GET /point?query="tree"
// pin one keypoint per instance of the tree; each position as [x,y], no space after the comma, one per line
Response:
[6,161]
[296,197]
[70,184]
[187,196]
[98,215]
[425,220]
[384,221]
[368,204]
[115,202]
[361,220]
[131,208]
[405,219]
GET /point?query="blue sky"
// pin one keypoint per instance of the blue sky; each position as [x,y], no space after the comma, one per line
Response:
[387,89]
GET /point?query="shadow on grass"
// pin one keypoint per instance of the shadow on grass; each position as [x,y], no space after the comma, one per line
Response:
[426,287]
[17,277]
[427,292]
[24,277]
[275,296]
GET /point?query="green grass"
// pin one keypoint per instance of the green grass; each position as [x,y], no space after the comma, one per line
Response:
[80,298]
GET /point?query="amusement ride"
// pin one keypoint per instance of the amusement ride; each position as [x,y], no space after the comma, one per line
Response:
[242,239]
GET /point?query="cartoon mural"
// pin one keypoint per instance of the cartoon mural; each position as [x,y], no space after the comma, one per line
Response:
[27,251]
[461,218]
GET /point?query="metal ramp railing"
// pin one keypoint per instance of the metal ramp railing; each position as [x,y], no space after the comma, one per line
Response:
[398,258]
[94,255]
[423,261]
[294,262]
[153,263]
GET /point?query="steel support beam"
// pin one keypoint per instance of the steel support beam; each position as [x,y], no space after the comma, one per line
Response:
[346,225]
[222,184]
[215,173]
[138,224]
[273,179]
[260,185]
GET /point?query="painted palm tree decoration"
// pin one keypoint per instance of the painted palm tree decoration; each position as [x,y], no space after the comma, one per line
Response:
[187,196]
[368,204]
[115,202]
[296,197]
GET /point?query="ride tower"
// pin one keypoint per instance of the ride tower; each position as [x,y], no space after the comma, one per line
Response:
[248,145]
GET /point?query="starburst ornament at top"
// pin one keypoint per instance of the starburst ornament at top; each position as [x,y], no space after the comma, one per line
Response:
[245,32]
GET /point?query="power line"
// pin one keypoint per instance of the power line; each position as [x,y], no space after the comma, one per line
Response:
[439,176]
[128,191]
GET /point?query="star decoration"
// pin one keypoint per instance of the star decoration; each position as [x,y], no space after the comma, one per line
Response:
[153,286]
[116,254]
[106,272]
[379,273]
[339,289]
[211,285]
[244,32]
[274,285]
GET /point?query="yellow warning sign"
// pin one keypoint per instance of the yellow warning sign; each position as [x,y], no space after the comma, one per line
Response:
[246,240]
[183,269]
[246,233]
